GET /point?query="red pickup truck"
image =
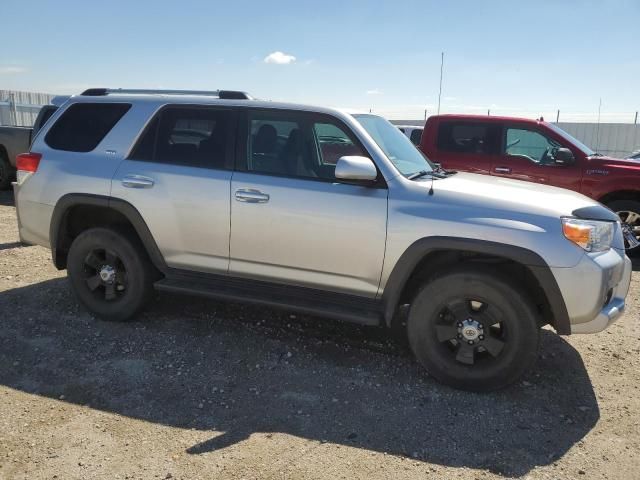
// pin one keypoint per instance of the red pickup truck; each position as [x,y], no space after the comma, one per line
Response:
[536,151]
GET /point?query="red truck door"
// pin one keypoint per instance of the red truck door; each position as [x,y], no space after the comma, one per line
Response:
[528,154]
[470,146]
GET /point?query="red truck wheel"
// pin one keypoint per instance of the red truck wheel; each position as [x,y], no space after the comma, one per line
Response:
[629,213]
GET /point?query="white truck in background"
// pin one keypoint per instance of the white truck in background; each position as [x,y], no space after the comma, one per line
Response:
[15,140]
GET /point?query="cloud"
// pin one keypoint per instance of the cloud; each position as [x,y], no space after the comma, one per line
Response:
[374,91]
[12,70]
[279,58]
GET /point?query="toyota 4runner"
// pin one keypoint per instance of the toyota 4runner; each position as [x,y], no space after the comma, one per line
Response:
[316,210]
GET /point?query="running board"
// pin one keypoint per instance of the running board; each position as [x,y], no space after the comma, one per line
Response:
[348,308]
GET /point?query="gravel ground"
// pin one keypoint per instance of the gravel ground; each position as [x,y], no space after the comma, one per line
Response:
[202,389]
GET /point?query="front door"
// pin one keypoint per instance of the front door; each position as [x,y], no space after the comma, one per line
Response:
[528,154]
[291,221]
[178,178]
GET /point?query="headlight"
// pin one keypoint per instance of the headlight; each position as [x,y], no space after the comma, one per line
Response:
[592,235]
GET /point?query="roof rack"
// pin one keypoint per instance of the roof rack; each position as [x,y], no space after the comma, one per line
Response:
[222,94]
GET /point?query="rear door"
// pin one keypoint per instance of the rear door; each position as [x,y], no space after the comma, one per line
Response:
[291,221]
[178,177]
[469,146]
[528,154]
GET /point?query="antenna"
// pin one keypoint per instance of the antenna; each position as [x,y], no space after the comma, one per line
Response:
[441,69]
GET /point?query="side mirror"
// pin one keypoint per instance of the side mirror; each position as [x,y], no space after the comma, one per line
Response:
[356,169]
[564,156]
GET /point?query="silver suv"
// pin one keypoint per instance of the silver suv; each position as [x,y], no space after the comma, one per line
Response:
[317,210]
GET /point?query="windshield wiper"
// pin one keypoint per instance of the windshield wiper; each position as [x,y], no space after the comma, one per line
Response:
[596,154]
[421,173]
[433,173]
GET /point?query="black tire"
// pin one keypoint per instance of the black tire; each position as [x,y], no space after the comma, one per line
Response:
[6,172]
[471,299]
[131,285]
[623,208]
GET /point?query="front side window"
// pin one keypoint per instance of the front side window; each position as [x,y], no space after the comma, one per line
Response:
[394,144]
[468,137]
[192,136]
[529,144]
[82,126]
[333,143]
[296,144]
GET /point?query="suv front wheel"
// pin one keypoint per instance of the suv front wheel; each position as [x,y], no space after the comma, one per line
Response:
[110,273]
[472,330]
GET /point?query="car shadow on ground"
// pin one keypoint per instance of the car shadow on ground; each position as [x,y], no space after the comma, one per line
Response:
[635,261]
[10,245]
[238,371]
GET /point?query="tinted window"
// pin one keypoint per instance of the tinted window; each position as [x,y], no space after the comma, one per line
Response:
[530,144]
[295,144]
[194,136]
[416,135]
[463,137]
[82,126]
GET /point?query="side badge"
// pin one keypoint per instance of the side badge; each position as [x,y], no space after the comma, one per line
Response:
[597,171]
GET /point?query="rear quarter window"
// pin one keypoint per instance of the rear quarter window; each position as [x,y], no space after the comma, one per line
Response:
[82,126]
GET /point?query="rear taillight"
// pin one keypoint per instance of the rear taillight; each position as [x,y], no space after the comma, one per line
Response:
[28,162]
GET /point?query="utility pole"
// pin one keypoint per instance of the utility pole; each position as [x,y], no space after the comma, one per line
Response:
[13,111]
[488,112]
[441,70]
[635,122]
[598,127]
[425,114]
[558,117]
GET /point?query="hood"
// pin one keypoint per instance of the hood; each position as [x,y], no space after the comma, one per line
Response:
[629,165]
[516,196]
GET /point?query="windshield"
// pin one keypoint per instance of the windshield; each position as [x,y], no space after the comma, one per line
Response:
[571,139]
[395,145]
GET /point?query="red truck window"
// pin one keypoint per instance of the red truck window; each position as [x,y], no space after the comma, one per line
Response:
[466,137]
[529,144]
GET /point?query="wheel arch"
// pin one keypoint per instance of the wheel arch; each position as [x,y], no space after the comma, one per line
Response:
[432,255]
[76,212]
[627,194]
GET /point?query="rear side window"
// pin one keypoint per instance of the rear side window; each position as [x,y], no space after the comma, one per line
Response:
[192,136]
[464,137]
[82,126]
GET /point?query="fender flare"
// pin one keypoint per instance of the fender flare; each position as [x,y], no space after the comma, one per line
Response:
[66,202]
[529,259]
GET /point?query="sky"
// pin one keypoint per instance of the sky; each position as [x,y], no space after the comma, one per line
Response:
[524,57]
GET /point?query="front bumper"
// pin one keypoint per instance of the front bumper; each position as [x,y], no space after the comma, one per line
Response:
[595,290]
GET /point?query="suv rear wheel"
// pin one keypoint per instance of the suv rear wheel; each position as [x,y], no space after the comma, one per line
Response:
[472,330]
[110,273]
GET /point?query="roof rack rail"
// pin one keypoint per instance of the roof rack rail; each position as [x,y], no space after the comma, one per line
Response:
[222,94]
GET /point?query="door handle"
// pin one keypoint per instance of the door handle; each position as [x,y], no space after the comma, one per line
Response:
[250,195]
[502,170]
[137,181]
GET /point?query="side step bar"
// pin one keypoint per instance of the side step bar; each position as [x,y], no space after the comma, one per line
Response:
[349,308]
